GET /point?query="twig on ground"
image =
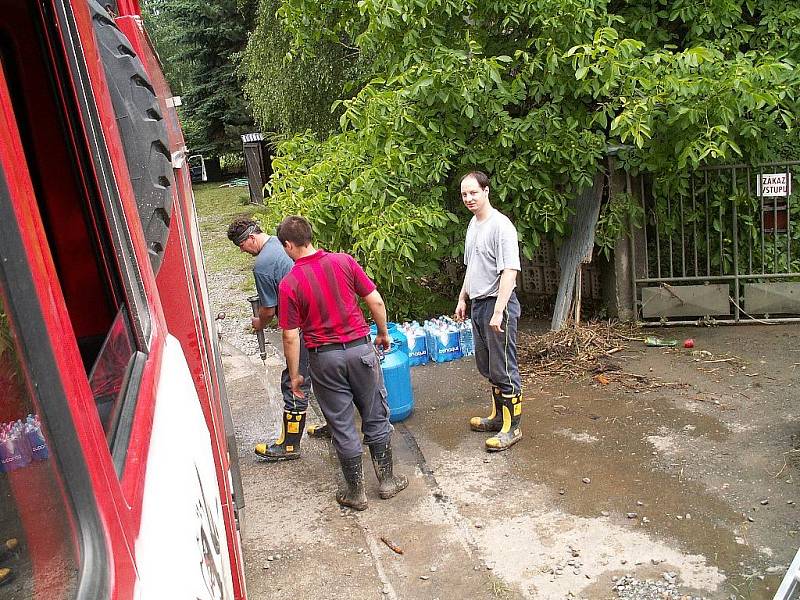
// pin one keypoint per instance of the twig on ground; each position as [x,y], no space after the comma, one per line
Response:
[392,546]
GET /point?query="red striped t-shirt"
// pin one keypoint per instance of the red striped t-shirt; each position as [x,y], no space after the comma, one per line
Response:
[320,296]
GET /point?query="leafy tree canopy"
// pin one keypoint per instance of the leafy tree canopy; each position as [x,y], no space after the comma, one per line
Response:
[200,44]
[534,92]
[292,92]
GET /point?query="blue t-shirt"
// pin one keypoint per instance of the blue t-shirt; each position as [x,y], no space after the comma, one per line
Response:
[271,265]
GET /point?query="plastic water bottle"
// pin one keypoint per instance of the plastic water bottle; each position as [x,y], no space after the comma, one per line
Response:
[21,443]
[466,338]
[454,338]
[33,431]
[10,457]
[416,337]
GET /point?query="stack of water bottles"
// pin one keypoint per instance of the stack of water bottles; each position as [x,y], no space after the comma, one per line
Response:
[440,339]
[21,443]
[416,341]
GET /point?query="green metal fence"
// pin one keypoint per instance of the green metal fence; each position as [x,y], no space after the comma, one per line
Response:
[721,246]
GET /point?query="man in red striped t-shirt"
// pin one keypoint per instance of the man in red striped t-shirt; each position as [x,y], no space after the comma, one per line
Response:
[320,296]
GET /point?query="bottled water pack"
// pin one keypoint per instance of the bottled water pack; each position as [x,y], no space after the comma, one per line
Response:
[440,339]
[416,341]
[21,442]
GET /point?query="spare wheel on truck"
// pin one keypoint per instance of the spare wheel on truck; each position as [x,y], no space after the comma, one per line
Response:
[141,127]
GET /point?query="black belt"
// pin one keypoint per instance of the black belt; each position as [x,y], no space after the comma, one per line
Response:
[341,345]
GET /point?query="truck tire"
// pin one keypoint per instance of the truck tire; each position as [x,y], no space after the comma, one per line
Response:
[141,127]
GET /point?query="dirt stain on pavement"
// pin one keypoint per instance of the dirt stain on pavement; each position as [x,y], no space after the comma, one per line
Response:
[647,508]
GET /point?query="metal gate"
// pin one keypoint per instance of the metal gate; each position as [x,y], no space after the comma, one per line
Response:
[722,246]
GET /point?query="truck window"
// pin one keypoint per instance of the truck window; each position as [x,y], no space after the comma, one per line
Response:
[85,228]
[38,551]
[111,370]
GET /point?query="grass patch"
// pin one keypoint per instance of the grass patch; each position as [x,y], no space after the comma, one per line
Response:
[216,208]
[499,588]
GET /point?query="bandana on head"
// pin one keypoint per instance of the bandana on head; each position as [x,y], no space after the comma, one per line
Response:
[245,234]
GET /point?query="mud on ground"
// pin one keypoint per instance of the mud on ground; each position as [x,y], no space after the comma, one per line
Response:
[699,481]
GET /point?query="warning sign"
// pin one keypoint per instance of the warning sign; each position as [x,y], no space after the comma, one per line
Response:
[775,185]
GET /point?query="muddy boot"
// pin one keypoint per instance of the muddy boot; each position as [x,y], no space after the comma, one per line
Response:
[319,431]
[9,549]
[384,465]
[494,422]
[286,447]
[510,433]
[353,496]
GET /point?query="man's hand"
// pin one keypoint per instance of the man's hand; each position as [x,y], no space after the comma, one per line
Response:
[496,322]
[297,382]
[382,340]
[461,309]
[264,318]
[507,281]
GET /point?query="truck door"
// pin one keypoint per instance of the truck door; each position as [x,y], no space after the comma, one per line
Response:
[53,537]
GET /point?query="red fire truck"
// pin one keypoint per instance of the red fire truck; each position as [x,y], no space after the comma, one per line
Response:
[119,472]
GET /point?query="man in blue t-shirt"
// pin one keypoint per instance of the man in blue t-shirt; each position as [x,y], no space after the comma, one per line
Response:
[271,265]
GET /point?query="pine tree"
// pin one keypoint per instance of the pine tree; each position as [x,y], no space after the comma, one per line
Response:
[200,43]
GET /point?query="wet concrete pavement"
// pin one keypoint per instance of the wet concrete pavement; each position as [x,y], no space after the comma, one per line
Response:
[698,479]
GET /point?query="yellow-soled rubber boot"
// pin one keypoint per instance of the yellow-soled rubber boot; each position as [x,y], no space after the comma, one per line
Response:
[286,447]
[494,422]
[510,433]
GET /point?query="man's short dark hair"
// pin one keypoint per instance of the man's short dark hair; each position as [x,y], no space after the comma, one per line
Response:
[241,229]
[479,176]
[296,230]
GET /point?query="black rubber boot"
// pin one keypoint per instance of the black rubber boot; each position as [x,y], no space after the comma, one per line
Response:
[510,433]
[494,422]
[354,495]
[390,485]
[286,447]
[6,575]
[319,431]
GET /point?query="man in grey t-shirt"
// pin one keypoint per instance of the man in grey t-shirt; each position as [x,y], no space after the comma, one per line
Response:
[491,253]
[271,265]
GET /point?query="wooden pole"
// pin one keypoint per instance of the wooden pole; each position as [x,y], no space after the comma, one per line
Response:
[578,277]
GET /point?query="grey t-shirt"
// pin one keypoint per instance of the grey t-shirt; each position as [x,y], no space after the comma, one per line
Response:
[490,248]
[271,265]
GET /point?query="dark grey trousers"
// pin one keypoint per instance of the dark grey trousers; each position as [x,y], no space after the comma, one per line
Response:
[345,380]
[496,353]
[290,402]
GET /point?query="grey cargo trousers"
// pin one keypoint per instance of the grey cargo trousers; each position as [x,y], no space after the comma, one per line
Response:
[346,379]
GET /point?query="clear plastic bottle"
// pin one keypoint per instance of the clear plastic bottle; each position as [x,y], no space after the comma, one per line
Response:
[33,430]
[466,338]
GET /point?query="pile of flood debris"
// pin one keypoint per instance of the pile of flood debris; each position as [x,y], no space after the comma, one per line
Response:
[574,350]
[577,351]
